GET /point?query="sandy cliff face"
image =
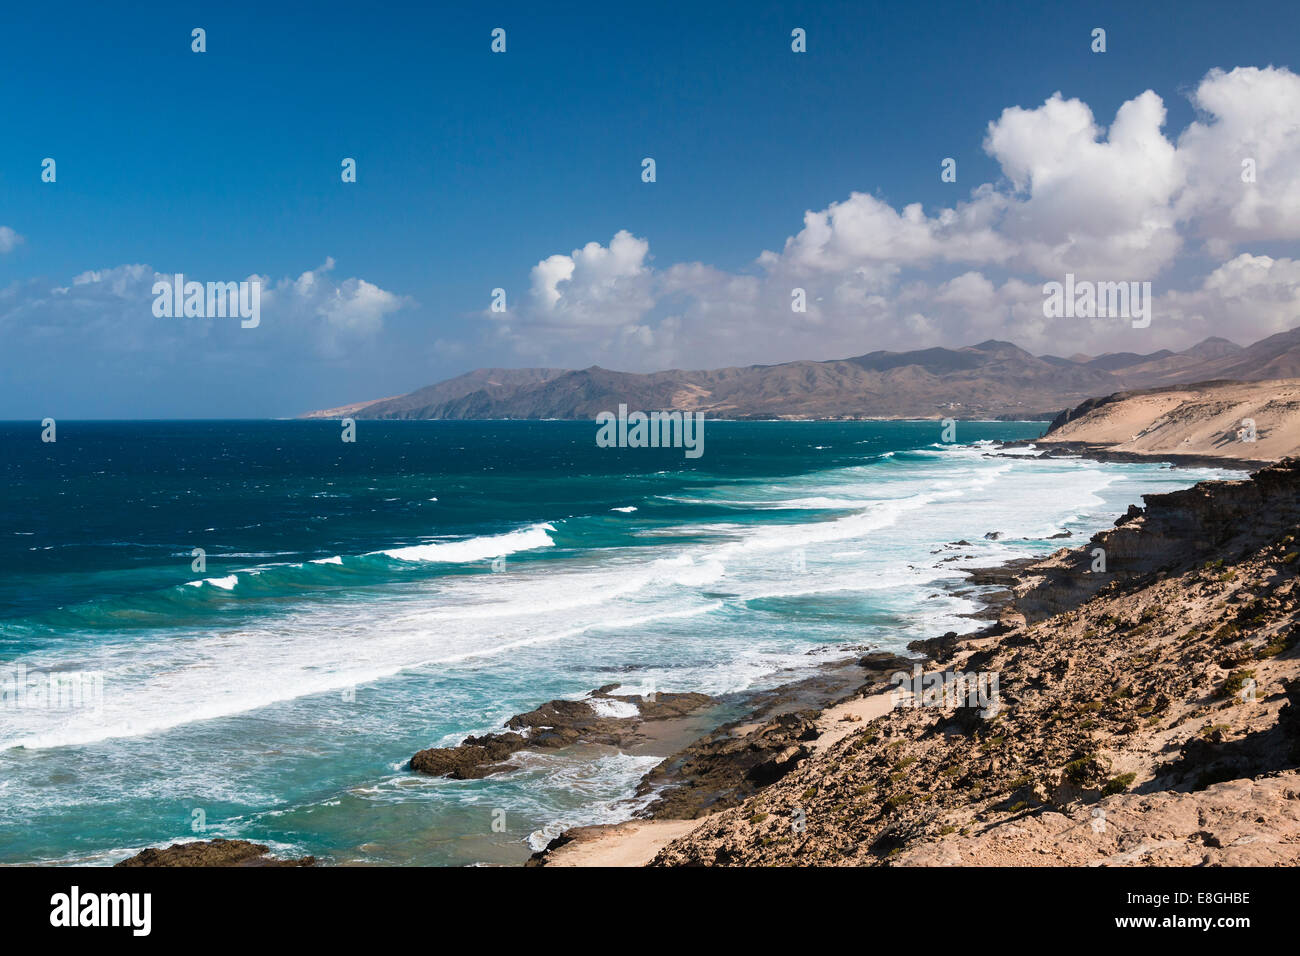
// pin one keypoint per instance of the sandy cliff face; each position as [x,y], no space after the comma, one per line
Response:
[1256,420]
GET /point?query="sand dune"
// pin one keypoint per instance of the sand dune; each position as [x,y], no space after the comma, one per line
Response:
[1213,419]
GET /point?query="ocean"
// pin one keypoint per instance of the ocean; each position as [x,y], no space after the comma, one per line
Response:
[361,601]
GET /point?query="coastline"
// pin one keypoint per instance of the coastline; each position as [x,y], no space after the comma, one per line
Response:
[1097,452]
[1226,764]
[787,726]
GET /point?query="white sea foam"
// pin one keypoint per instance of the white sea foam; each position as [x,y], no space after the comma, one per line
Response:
[622,597]
[603,783]
[604,707]
[226,584]
[207,680]
[476,549]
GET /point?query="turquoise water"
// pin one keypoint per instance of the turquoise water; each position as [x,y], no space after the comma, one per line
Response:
[350,614]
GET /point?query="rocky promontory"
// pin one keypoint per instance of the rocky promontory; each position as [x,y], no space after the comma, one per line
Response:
[601,718]
[217,852]
[1207,422]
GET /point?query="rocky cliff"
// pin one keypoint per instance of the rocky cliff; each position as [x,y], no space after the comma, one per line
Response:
[1213,521]
[1155,722]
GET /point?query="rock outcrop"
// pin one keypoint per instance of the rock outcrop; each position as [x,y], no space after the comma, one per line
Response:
[742,757]
[1215,521]
[213,853]
[602,718]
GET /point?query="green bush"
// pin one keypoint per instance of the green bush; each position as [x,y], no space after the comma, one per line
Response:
[1118,784]
[1234,682]
[1078,770]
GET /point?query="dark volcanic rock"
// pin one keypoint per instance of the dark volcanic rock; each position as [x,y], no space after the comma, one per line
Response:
[881,664]
[935,648]
[1076,449]
[555,724]
[212,853]
[728,765]
[476,757]
[1005,575]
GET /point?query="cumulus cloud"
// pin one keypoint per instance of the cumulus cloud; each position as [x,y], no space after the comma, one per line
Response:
[329,311]
[595,295]
[1123,202]
[1085,203]
[863,231]
[9,240]
[108,312]
[595,285]
[1257,292]
[1247,114]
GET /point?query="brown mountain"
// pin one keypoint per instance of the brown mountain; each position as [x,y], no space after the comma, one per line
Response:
[993,379]
[1277,356]
[1166,367]
[487,381]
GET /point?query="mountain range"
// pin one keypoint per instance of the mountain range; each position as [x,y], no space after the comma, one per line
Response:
[991,380]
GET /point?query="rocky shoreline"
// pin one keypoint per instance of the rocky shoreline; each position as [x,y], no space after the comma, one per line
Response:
[1149,714]
[783,728]
[1053,448]
[602,718]
[1119,701]
[779,728]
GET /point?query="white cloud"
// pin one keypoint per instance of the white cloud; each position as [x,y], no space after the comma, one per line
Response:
[111,310]
[9,240]
[1117,203]
[1258,293]
[332,312]
[863,230]
[1079,199]
[595,285]
[1082,203]
[1249,113]
[594,295]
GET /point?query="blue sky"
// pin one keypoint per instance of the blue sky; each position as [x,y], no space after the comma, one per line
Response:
[474,167]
